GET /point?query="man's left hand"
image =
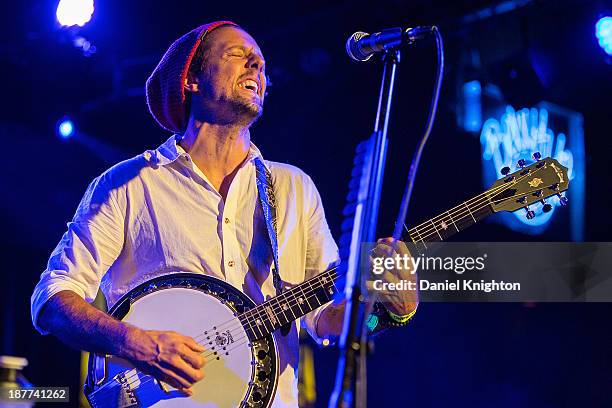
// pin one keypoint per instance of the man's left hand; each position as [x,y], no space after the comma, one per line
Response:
[399,302]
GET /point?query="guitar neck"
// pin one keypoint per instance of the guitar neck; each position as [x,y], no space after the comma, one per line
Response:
[317,291]
[450,222]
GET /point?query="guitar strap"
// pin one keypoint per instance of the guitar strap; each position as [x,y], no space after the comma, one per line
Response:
[265,188]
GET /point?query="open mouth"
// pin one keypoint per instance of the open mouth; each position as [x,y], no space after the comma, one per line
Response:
[249,85]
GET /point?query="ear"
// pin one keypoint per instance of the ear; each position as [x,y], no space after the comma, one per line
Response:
[191,83]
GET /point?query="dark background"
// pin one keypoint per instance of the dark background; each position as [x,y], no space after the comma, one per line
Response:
[319,107]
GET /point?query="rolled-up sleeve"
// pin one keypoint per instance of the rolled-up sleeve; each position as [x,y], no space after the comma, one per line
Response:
[91,244]
[321,249]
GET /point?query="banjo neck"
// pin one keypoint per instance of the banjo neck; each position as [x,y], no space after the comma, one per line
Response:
[290,305]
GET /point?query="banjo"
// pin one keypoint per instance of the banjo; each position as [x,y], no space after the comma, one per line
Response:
[241,358]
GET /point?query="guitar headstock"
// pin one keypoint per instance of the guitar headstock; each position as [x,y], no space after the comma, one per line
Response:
[529,185]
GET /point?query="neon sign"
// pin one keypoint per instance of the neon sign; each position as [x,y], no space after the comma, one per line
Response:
[517,135]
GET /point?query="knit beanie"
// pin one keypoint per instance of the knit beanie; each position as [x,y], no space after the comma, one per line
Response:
[165,87]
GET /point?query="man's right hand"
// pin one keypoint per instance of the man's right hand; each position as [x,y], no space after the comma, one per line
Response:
[166,355]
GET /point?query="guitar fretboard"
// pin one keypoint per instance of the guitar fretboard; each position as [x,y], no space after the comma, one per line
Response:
[442,226]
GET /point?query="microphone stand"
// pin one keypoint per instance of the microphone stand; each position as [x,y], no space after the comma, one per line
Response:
[350,388]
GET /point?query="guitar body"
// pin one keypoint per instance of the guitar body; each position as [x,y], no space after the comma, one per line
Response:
[239,371]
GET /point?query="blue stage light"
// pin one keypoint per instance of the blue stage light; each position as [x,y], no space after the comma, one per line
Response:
[65,128]
[603,32]
[74,12]
[472,106]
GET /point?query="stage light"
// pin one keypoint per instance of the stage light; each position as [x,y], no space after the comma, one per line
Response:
[603,32]
[472,106]
[65,128]
[74,12]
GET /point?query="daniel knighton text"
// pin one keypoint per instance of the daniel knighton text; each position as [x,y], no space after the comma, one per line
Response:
[458,265]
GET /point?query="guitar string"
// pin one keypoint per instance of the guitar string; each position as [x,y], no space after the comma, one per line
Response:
[463,209]
[466,210]
[457,213]
[435,231]
[212,356]
[486,193]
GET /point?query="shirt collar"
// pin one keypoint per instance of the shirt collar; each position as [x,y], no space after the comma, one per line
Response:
[170,151]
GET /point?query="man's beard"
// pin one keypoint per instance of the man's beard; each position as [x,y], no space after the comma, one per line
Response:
[229,110]
[246,111]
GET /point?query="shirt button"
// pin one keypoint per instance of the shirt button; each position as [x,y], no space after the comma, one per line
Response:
[230,264]
[226,220]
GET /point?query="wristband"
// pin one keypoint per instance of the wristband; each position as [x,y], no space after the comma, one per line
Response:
[401,319]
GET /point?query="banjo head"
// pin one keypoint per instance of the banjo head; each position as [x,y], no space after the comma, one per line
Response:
[238,371]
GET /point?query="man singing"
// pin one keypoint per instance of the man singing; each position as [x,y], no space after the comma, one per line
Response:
[192,205]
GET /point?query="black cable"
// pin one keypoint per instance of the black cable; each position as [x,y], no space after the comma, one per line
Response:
[400,222]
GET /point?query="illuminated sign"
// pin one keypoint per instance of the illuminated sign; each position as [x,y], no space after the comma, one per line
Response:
[518,135]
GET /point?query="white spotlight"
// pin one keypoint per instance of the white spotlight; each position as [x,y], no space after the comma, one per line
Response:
[74,12]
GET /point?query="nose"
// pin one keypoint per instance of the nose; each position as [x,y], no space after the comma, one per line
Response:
[255,62]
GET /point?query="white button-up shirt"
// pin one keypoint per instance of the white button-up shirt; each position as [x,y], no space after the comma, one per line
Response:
[157,213]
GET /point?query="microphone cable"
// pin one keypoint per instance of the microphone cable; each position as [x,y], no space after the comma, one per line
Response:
[401,218]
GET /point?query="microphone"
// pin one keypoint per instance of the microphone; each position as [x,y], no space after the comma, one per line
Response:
[361,46]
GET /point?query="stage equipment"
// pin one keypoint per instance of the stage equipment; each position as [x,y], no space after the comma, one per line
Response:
[71,16]
[74,12]
[603,32]
[65,128]
[361,46]
[242,365]
[471,117]
[363,199]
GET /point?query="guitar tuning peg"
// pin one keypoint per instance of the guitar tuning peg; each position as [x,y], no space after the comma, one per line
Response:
[521,163]
[505,170]
[546,207]
[562,200]
[537,156]
[529,213]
